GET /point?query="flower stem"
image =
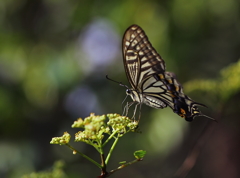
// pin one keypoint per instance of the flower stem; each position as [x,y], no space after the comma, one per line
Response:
[85,156]
[111,150]
[109,138]
[104,166]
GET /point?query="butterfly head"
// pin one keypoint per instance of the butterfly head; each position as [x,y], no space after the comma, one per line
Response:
[136,97]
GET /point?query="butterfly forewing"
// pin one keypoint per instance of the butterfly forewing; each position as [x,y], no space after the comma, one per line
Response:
[140,58]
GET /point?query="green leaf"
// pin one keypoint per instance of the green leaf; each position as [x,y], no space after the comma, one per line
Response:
[122,162]
[139,154]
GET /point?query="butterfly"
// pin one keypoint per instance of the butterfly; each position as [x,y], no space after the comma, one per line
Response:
[150,83]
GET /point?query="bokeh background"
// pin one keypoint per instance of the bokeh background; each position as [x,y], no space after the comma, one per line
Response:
[54,56]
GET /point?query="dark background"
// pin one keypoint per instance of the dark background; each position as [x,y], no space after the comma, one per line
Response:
[54,56]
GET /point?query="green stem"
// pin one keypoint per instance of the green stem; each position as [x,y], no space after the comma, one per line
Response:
[111,150]
[109,138]
[96,146]
[85,156]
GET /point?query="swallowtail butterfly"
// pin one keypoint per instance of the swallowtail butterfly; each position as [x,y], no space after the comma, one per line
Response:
[150,83]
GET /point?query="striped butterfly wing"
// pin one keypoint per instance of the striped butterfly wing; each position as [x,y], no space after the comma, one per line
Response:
[166,88]
[140,58]
[150,83]
[183,105]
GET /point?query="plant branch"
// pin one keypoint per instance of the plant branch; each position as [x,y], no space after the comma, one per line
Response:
[111,150]
[124,165]
[85,156]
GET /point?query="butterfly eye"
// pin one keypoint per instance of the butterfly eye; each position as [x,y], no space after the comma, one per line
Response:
[128,91]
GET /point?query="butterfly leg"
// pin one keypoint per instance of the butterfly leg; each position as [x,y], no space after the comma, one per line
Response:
[126,108]
[135,110]
[140,108]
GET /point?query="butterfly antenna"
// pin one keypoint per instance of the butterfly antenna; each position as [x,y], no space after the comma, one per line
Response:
[120,83]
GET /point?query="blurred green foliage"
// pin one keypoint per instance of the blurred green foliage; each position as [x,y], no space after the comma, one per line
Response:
[223,88]
[56,172]
[48,77]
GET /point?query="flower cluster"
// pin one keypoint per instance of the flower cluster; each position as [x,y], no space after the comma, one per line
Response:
[121,124]
[63,140]
[96,126]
